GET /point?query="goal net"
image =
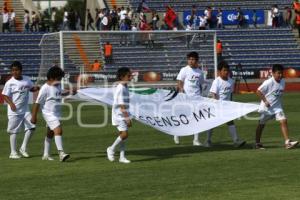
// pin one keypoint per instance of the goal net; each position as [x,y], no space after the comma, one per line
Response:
[155,57]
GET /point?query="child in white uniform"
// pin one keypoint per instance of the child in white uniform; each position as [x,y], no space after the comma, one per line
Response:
[120,114]
[270,93]
[16,95]
[190,79]
[222,89]
[49,98]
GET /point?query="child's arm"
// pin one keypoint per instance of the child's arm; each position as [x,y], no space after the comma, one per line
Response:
[180,86]
[126,115]
[263,98]
[9,102]
[35,89]
[35,109]
[214,95]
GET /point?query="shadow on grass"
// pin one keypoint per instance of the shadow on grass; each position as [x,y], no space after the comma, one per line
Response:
[187,151]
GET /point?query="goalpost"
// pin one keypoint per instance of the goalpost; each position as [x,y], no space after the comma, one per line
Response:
[155,57]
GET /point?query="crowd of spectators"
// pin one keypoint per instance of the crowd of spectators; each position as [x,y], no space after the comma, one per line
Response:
[127,19]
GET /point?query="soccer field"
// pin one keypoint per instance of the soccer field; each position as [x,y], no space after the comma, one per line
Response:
[159,169]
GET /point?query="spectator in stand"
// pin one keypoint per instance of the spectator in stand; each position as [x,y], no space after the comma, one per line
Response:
[104,22]
[155,19]
[114,18]
[170,18]
[134,36]
[240,17]
[97,19]
[96,66]
[219,49]
[90,20]
[1,20]
[108,53]
[5,21]
[35,22]
[123,27]
[192,20]
[54,24]
[296,6]
[208,16]
[123,14]
[287,16]
[275,16]
[254,19]
[12,20]
[72,20]
[66,24]
[26,21]
[220,19]
[202,22]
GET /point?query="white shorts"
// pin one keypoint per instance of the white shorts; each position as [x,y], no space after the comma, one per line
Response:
[16,122]
[264,117]
[51,121]
[122,126]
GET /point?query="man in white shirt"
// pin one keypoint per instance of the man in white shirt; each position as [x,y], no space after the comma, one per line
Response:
[270,93]
[190,79]
[16,95]
[12,20]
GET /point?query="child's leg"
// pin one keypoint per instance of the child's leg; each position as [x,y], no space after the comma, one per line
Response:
[232,131]
[27,136]
[122,136]
[13,143]
[209,135]
[259,130]
[58,138]
[284,129]
[47,142]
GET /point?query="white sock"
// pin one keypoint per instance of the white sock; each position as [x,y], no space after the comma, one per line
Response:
[233,133]
[26,139]
[209,134]
[196,137]
[13,143]
[58,142]
[122,149]
[47,146]
[287,141]
[116,142]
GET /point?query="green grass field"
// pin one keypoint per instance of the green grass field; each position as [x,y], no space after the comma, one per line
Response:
[159,169]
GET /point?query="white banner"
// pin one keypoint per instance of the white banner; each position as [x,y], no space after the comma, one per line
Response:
[171,112]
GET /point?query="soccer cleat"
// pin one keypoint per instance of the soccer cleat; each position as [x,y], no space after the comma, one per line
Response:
[259,146]
[47,157]
[63,156]
[208,144]
[197,143]
[124,160]
[24,153]
[239,143]
[14,156]
[176,139]
[110,154]
[291,144]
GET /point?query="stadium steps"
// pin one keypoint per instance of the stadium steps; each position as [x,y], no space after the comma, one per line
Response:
[18,7]
[117,3]
[83,49]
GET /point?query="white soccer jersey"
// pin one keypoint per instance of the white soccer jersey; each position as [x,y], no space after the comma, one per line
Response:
[222,88]
[50,100]
[192,79]
[18,91]
[121,97]
[273,92]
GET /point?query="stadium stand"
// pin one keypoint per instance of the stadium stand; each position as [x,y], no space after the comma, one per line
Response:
[182,5]
[25,48]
